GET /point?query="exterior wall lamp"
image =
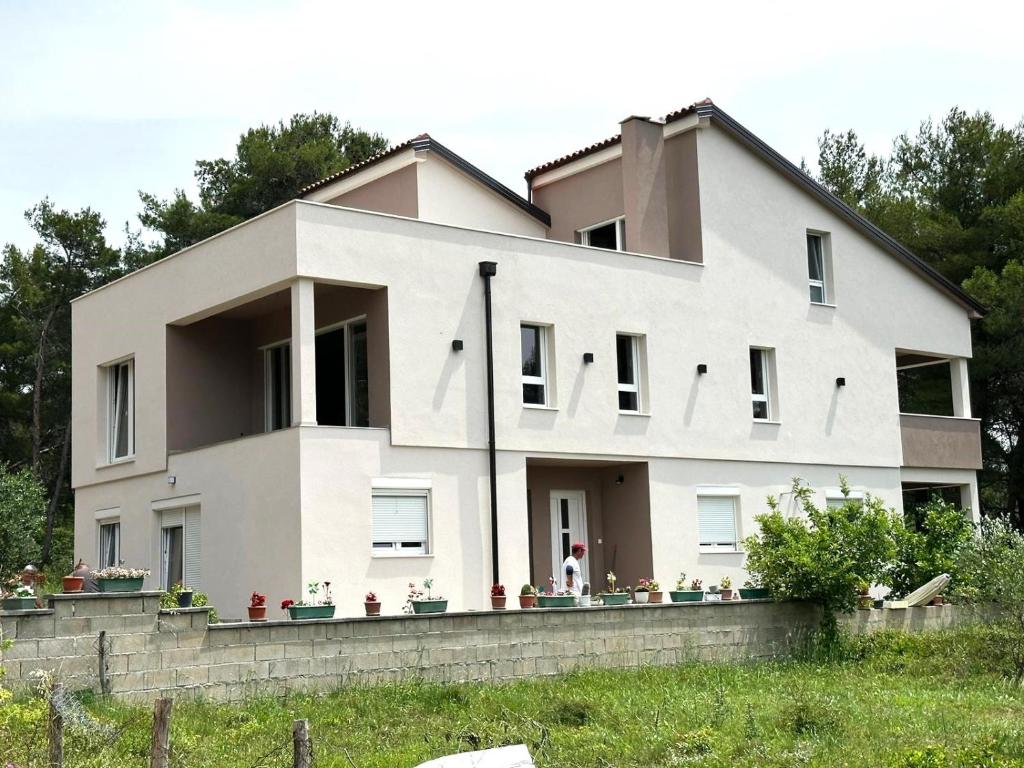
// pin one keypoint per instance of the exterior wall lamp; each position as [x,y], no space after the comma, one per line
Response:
[588,357]
[841,381]
[457,345]
[702,368]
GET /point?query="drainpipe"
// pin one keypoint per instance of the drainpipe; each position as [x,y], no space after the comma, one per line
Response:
[489,269]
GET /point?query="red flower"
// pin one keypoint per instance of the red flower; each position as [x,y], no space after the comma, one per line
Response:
[257,600]
[287,603]
[498,590]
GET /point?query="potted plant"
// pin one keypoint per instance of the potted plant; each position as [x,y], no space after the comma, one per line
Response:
[614,595]
[314,606]
[371,604]
[585,595]
[645,591]
[555,598]
[257,607]
[184,596]
[864,600]
[726,587]
[681,594]
[22,598]
[72,582]
[497,597]
[938,600]
[422,601]
[117,578]
[752,590]
[528,596]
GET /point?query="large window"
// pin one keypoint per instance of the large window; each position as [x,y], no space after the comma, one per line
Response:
[534,340]
[761,367]
[277,386]
[180,548]
[818,268]
[627,358]
[110,543]
[121,410]
[607,234]
[401,522]
[342,375]
[716,522]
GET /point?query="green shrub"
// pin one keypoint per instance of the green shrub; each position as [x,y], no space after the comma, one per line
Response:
[933,550]
[169,600]
[22,514]
[824,556]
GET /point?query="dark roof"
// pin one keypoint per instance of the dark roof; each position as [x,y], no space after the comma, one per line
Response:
[424,143]
[707,109]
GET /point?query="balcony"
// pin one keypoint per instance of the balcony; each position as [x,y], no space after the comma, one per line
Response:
[940,442]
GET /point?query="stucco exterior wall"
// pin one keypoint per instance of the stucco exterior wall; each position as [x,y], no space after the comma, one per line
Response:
[395,193]
[579,201]
[447,195]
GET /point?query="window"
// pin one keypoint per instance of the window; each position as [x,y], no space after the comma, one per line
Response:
[716,522]
[627,356]
[110,544]
[534,339]
[400,522]
[342,375]
[121,410]
[278,386]
[761,366]
[180,548]
[819,268]
[608,234]
[834,498]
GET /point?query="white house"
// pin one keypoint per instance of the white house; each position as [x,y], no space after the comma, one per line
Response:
[681,322]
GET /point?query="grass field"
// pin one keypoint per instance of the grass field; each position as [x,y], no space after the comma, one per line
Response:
[932,700]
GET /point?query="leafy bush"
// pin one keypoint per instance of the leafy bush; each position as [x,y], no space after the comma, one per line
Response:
[22,514]
[991,564]
[824,556]
[933,550]
[169,600]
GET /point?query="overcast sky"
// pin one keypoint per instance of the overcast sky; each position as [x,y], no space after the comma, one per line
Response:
[101,99]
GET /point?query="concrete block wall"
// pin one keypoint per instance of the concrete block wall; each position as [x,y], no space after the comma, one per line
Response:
[150,652]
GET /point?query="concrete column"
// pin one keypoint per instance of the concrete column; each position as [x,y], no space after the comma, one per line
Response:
[969,501]
[643,187]
[303,354]
[961,387]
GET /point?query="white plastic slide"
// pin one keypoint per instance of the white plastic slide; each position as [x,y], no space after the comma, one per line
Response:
[921,596]
[517,756]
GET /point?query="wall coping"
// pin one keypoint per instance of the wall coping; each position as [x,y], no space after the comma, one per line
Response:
[501,612]
[193,609]
[103,595]
[29,612]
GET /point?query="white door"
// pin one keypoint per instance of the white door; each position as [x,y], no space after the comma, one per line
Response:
[568,525]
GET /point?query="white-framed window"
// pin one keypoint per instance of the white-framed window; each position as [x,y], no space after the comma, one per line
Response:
[277,385]
[120,378]
[109,535]
[819,267]
[628,365]
[717,514]
[607,234]
[534,346]
[761,383]
[401,522]
[834,498]
[180,536]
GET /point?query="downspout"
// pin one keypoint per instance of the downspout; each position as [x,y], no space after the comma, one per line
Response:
[489,269]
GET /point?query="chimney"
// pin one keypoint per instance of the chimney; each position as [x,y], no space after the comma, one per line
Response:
[643,186]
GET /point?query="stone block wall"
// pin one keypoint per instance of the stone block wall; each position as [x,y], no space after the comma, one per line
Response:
[150,652]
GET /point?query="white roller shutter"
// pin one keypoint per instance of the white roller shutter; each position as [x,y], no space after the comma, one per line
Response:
[399,517]
[193,530]
[717,521]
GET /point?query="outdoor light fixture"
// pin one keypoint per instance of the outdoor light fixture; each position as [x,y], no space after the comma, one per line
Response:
[620,480]
[702,368]
[171,479]
[841,381]
[457,345]
[588,357]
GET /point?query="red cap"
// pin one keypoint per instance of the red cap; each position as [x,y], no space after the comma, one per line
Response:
[579,545]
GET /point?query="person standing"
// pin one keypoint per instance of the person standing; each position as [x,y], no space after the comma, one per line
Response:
[571,581]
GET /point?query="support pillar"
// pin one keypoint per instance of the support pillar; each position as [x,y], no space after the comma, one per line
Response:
[303,354]
[961,387]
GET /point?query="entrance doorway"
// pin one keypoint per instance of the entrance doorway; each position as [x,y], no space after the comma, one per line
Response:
[568,525]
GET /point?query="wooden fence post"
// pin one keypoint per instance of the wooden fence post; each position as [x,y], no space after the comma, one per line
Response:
[160,748]
[302,749]
[55,728]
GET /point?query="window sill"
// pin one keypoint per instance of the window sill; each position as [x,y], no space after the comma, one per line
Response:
[117,462]
[398,556]
[533,407]
[634,413]
[769,422]
[720,551]
[826,304]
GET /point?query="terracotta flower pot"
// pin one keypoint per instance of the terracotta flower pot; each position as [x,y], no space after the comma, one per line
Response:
[497,602]
[527,601]
[73,583]
[372,608]
[656,597]
[726,594]
[257,613]
[938,600]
